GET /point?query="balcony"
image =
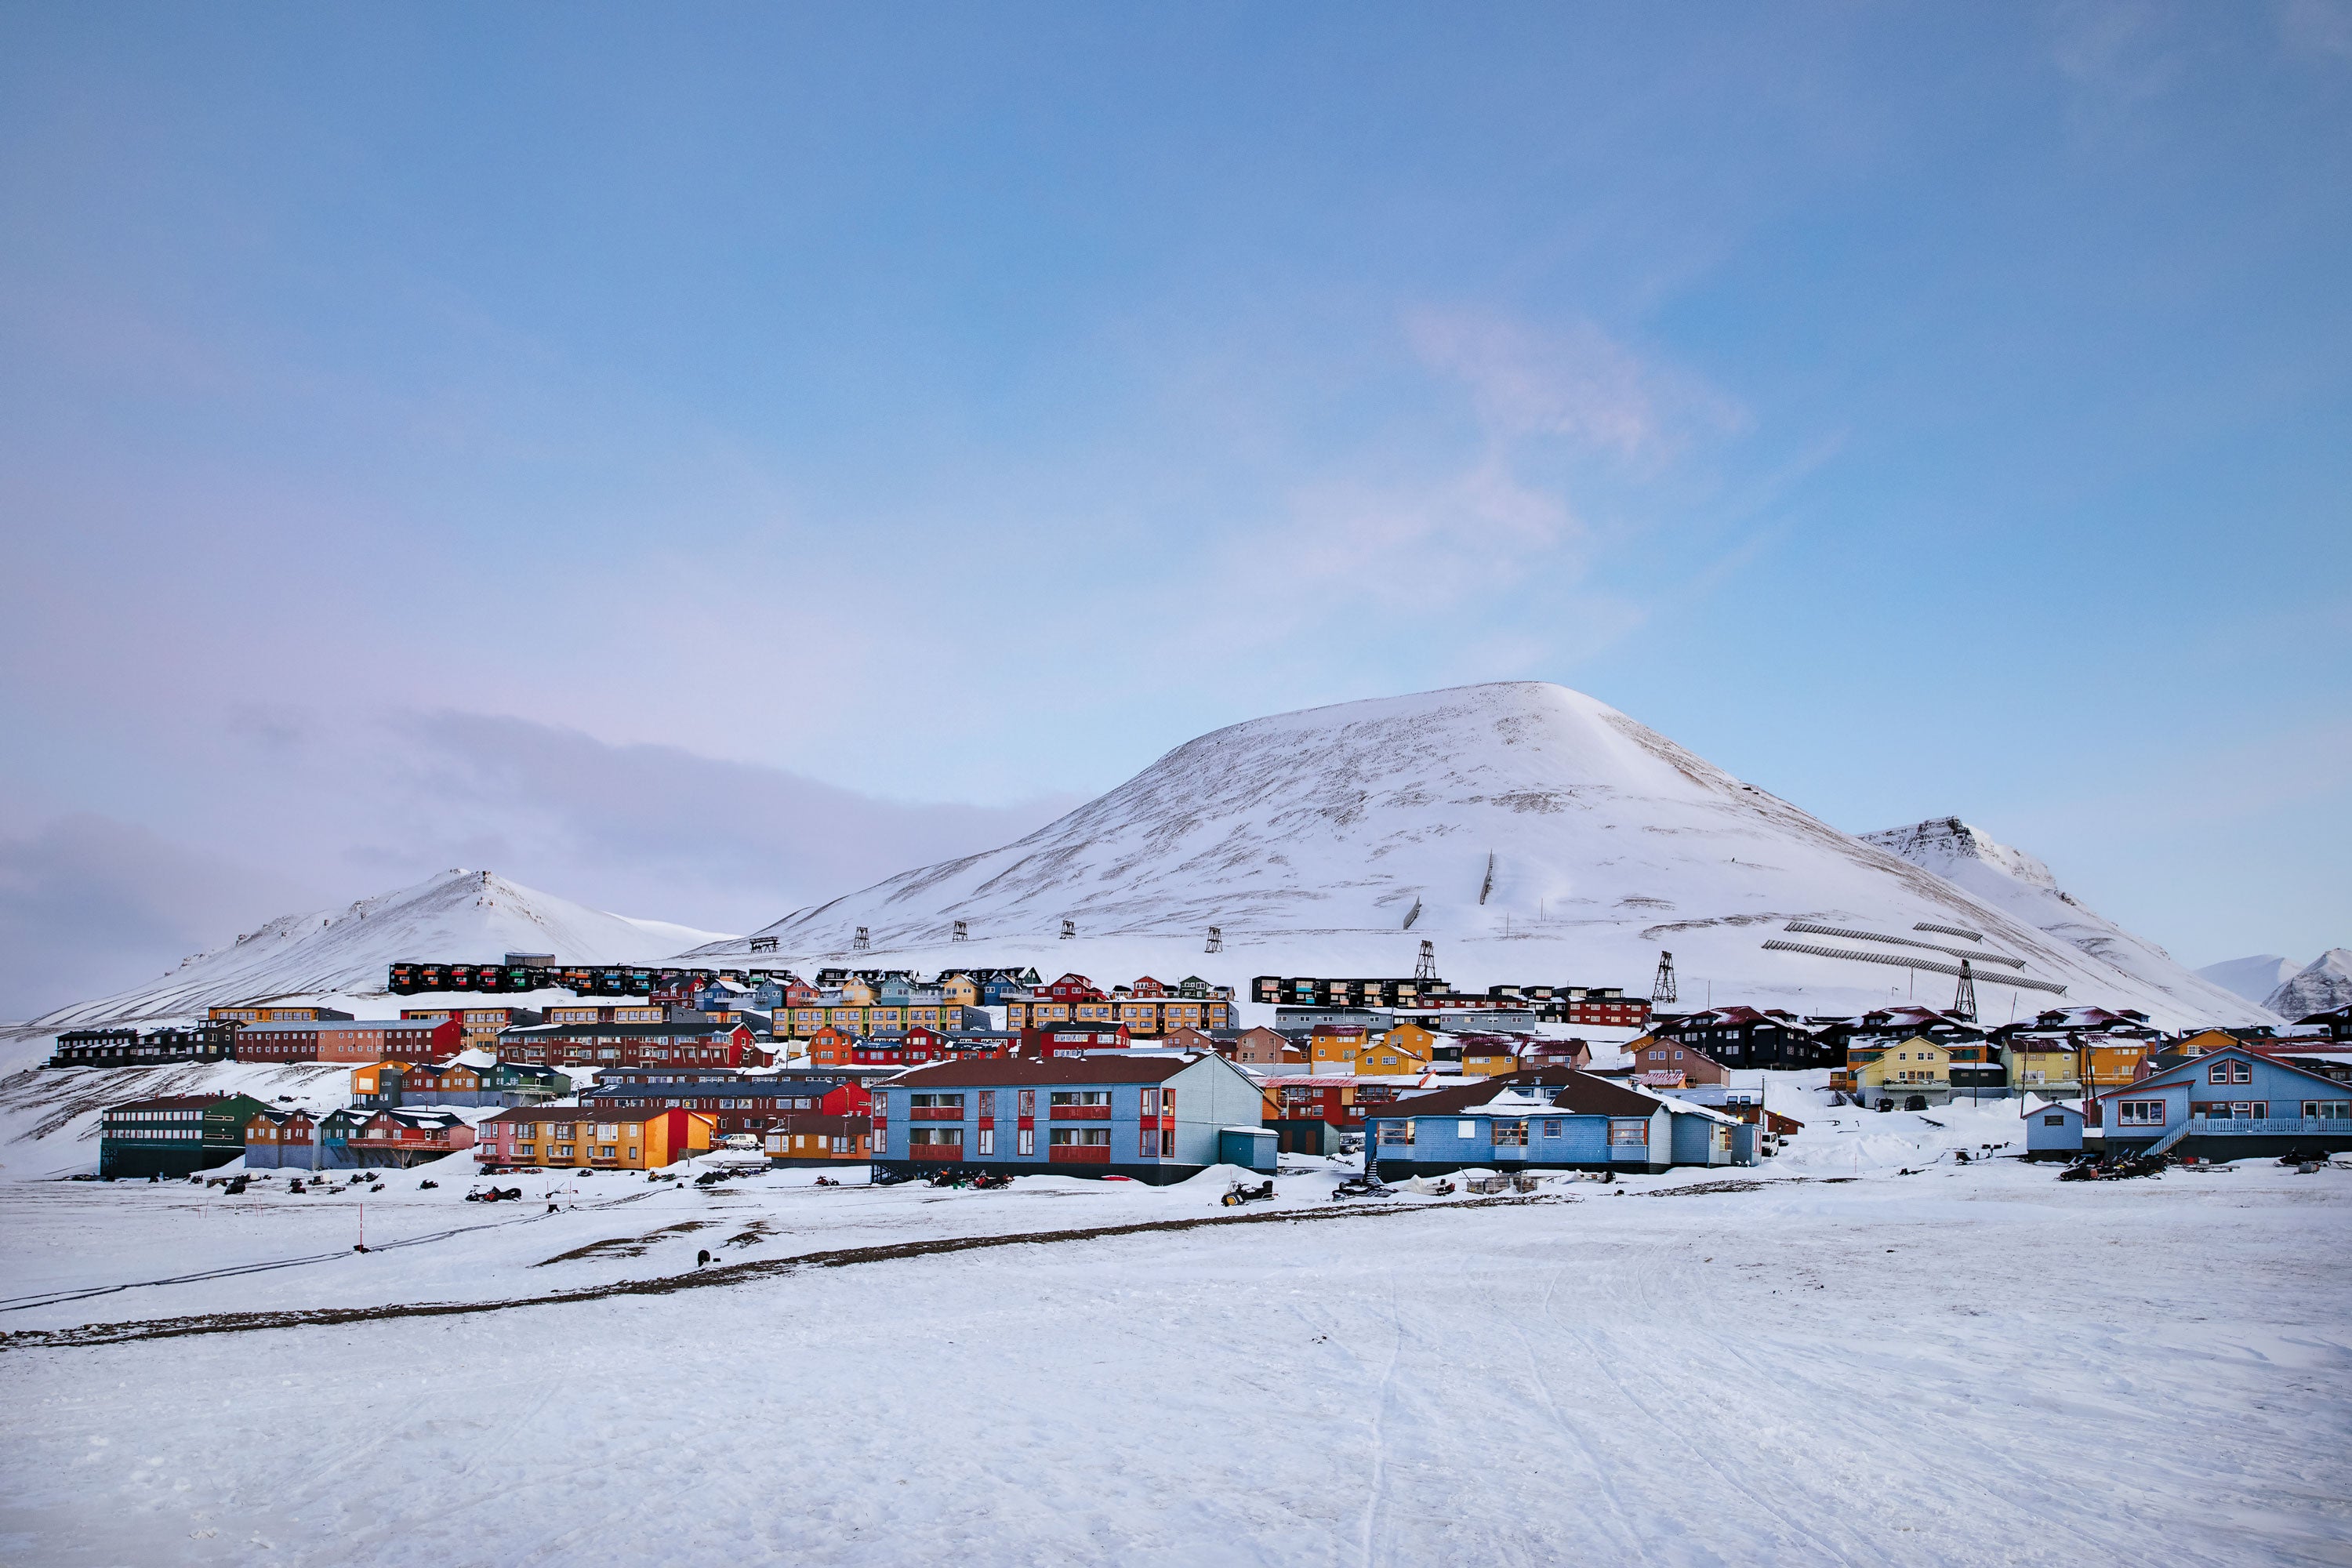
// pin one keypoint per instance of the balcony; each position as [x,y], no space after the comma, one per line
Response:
[935,1113]
[1081,1113]
[937,1150]
[2256,1127]
[1079,1153]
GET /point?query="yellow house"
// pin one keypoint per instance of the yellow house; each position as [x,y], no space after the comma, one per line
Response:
[1396,1052]
[959,990]
[1916,1065]
[1333,1047]
[2204,1040]
[601,1138]
[1485,1059]
[2045,1066]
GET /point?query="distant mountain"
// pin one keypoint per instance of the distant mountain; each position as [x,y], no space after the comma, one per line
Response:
[459,915]
[1533,832]
[2011,880]
[2252,978]
[2323,986]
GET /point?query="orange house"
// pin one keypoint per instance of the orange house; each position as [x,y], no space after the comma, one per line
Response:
[832,1047]
[592,1137]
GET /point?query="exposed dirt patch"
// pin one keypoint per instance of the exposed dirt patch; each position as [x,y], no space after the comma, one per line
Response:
[626,1246]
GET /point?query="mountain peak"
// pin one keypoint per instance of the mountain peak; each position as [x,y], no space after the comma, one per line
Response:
[1534,832]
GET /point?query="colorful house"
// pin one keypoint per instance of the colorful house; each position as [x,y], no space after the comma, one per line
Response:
[355,1040]
[1913,1074]
[1401,1050]
[591,1137]
[742,1104]
[173,1134]
[281,1140]
[2225,1105]
[2045,1065]
[1557,1118]
[1156,1118]
[2052,1131]
[395,1140]
[807,1138]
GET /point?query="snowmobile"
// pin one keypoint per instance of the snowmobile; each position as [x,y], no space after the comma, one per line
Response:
[1241,1192]
[1362,1187]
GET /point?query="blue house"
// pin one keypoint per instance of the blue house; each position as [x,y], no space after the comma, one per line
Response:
[1159,1117]
[1555,1119]
[2053,1131]
[2228,1104]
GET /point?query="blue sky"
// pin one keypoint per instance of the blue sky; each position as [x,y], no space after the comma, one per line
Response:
[695,460]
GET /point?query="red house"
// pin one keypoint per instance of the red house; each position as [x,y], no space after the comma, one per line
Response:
[1072,1039]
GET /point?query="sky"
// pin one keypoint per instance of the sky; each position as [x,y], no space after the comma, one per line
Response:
[699,459]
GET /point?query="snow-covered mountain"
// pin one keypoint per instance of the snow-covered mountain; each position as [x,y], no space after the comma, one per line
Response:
[2011,880]
[2252,978]
[2322,987]
[1530,831]
[458,915]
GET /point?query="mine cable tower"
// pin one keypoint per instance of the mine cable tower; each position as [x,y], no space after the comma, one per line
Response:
[1662,990]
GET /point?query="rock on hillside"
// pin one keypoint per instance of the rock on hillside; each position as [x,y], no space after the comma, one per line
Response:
[2324,986]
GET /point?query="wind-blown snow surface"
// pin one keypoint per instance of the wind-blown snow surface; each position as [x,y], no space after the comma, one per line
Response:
[1534,832]
[1958,1366]
[458,915]
[2016,882]
[2324,986]
[2253,978]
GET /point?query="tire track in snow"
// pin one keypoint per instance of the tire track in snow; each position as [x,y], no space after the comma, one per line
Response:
[701,1279]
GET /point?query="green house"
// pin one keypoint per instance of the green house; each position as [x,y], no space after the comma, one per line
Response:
[173,1134]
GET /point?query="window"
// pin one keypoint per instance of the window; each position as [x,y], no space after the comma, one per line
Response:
[1551,1129]
[987,1103]
[936,1101]
[1150,1102]
[2054,1120]
[2230,1072]
[1062,1097]
[1396,1132]
[1028,1104]
[2327,1111]
[2139,1113]
[1081,1137]
[1511,1134]
[935,1135]
[1148,1144]
[987,1139]
[1623,1133]
[1026,1140]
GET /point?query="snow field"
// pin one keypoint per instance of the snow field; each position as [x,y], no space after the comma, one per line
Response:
[1845,1364]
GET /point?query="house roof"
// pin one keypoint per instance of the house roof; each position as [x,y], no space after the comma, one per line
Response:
[995,1071]
[171,1102]
[347,1025]
[2197,1064]
[818,1123]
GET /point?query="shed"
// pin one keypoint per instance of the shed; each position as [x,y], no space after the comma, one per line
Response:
[1250,1148]
[2053,1131]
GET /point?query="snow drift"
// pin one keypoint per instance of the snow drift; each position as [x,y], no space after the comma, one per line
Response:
[457,915]
[1533,832]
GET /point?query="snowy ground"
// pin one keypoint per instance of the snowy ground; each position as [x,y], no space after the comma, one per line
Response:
[1844,1364]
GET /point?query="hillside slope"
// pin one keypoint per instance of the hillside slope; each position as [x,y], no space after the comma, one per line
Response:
[2253,978]
[2014,881]
[1531,831]
[457,915]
